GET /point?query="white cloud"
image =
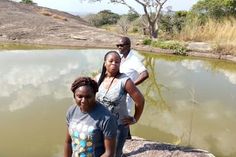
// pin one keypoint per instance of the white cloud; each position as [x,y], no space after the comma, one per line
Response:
[193,65]
[229,75]
[177,84]
[40,74]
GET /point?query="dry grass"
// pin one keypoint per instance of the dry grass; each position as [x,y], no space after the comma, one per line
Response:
[45,12]
[221,34]
[48,13]
[59,17]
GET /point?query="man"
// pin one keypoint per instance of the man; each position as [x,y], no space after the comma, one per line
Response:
[131,66]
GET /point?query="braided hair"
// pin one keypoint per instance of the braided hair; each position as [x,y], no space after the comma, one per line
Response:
[103,73]
[84,81]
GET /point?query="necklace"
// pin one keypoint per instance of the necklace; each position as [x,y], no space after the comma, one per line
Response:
[110,85]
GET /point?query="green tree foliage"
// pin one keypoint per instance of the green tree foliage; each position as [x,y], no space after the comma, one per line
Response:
[27,1]
[216,9]
[166,23]
[132,16]
[104,17]
[178,47]
[172,22]
[180,19]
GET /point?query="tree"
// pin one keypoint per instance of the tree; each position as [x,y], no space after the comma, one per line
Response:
[152,11]
[215,8]
[103,17]
[132,16]
[124,24]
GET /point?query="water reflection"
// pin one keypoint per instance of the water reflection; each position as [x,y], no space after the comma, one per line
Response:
[188,101]
[152,91]
[29,75]
[201,101]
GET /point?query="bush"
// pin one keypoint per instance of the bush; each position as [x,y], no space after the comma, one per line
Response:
[27,1]
[147,41]
[178,47]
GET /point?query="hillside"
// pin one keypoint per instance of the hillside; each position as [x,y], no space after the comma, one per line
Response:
[24,23]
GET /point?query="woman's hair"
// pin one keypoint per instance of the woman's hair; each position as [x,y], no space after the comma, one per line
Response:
[103,73]
[84,81]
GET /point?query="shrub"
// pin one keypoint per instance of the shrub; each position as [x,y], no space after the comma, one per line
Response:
[147,41]
[178,47]
[27,1]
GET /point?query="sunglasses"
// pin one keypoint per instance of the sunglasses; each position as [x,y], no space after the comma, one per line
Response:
[121,45]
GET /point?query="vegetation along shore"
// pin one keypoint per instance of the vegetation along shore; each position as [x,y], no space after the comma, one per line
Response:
[178,32]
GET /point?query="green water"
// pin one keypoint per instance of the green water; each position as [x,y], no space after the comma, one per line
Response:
[189,101]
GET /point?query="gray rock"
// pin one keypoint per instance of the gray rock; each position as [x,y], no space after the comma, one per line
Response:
[138,147]
[199,46]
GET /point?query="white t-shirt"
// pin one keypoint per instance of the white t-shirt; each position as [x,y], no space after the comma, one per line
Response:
[132,67]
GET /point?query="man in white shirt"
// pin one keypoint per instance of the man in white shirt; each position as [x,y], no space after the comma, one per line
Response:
[131,66]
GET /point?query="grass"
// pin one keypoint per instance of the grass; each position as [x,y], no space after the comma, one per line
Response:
[221,34]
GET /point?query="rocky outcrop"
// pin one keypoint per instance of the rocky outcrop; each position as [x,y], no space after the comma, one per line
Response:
[138,147]
[32,24]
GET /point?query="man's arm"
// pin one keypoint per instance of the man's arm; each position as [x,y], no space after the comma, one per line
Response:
[142,77]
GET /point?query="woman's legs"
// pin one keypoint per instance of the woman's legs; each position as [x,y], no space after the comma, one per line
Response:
[122,134]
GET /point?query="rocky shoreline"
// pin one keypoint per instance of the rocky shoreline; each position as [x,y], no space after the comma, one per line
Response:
[138,147]
[100,44]
[192,51]
[30,24]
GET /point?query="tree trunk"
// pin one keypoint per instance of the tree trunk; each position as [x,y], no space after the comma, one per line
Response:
[153,30]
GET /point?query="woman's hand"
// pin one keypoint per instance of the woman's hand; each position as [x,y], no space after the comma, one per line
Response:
[137,97]
[129,120]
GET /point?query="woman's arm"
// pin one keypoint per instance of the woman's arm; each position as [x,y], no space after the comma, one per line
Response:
[110,145]
[67,145]
[138,98]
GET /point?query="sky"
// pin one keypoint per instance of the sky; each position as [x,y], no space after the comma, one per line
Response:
[82,8]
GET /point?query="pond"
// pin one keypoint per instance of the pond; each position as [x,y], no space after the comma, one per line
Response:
[189,101]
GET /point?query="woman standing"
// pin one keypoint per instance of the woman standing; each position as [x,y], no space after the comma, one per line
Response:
[112,92]
[92,128]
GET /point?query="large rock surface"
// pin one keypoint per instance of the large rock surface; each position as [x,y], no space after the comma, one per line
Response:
[138,147]
[25,23]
